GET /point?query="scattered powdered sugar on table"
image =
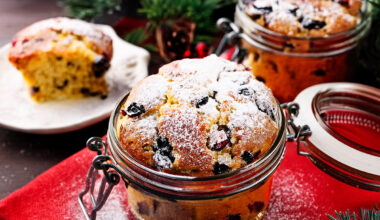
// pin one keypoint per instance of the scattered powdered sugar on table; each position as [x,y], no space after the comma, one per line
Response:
[292,195]
[115,207]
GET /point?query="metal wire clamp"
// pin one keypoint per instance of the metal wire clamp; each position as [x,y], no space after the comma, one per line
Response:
[109,180]
[232,37]
[294,132]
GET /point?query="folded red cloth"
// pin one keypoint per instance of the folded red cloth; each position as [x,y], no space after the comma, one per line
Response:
[300,191]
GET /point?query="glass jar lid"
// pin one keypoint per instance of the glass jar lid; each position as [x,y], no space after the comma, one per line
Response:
[344,119]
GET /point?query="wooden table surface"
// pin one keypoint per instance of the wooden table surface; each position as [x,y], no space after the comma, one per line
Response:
[25,156]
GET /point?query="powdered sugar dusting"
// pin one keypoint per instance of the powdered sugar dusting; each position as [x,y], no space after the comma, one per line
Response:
[145,127]
[152,95]
[204,70]
[116,206]
[191,97]
[293,17]
[183,127]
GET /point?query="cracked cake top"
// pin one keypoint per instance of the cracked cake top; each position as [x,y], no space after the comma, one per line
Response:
[198,117]
[316,18]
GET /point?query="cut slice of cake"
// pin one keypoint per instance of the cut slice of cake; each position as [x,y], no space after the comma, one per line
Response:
[62,58]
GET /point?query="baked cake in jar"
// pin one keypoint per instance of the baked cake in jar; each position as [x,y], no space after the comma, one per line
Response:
[198,117]
[62,58]
[294,44]
[300,18]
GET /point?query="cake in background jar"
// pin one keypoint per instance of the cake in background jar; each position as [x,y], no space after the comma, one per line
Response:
[293,44]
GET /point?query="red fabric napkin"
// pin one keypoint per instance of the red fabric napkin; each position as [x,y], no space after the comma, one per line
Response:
[300,191]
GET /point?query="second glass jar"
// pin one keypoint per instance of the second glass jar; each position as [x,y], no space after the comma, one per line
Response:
[289,64]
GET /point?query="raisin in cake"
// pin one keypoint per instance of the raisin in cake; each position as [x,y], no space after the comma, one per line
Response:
[305,18]
[198,117]
[62,58]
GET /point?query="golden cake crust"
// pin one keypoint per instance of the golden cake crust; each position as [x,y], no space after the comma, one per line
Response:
[62,58]
[198,117]
[314,18]
[38,36]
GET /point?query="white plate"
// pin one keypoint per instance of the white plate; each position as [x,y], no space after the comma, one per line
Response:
[18,112]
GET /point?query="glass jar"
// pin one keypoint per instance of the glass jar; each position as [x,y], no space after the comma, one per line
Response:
[336,125]
[241,194]
[345,122]
[289,64]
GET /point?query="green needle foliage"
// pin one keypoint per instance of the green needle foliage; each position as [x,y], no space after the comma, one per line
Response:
[365,214]
[138,36]
[369,50]
[89,9]
[376,8]
[198,11]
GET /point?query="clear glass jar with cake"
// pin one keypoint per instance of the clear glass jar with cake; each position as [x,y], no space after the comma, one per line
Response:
[240,194]
[294,44]
[336,126]
[195,142]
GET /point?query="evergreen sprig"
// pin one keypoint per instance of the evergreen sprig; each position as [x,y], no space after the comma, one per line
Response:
[138,37]
[365,214]
[198,11]
[369,49]
[90,9]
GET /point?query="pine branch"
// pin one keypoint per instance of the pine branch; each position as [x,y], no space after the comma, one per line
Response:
[138,37]
[365,214]
[89,9]
[198,11]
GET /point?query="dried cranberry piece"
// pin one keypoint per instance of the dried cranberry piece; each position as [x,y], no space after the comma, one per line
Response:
[85,91]
[319,72]
[255,16]
[293,11]
[256,154]
[264,107]
[103,96]
[234,217]
[164,148]
[202,101]
[313,24]
[345,3]
[155,205]
[261,79]
[123,112]
[35,89]
[135,109]
[162,141]
[63,85]
[220,168]
[265,9]
[100,65]
[220,145]
[245,92]
[256,206]
[247,157]
[143,208]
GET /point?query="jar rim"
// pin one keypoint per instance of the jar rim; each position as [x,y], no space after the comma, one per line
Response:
[344,159]
[259,170]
